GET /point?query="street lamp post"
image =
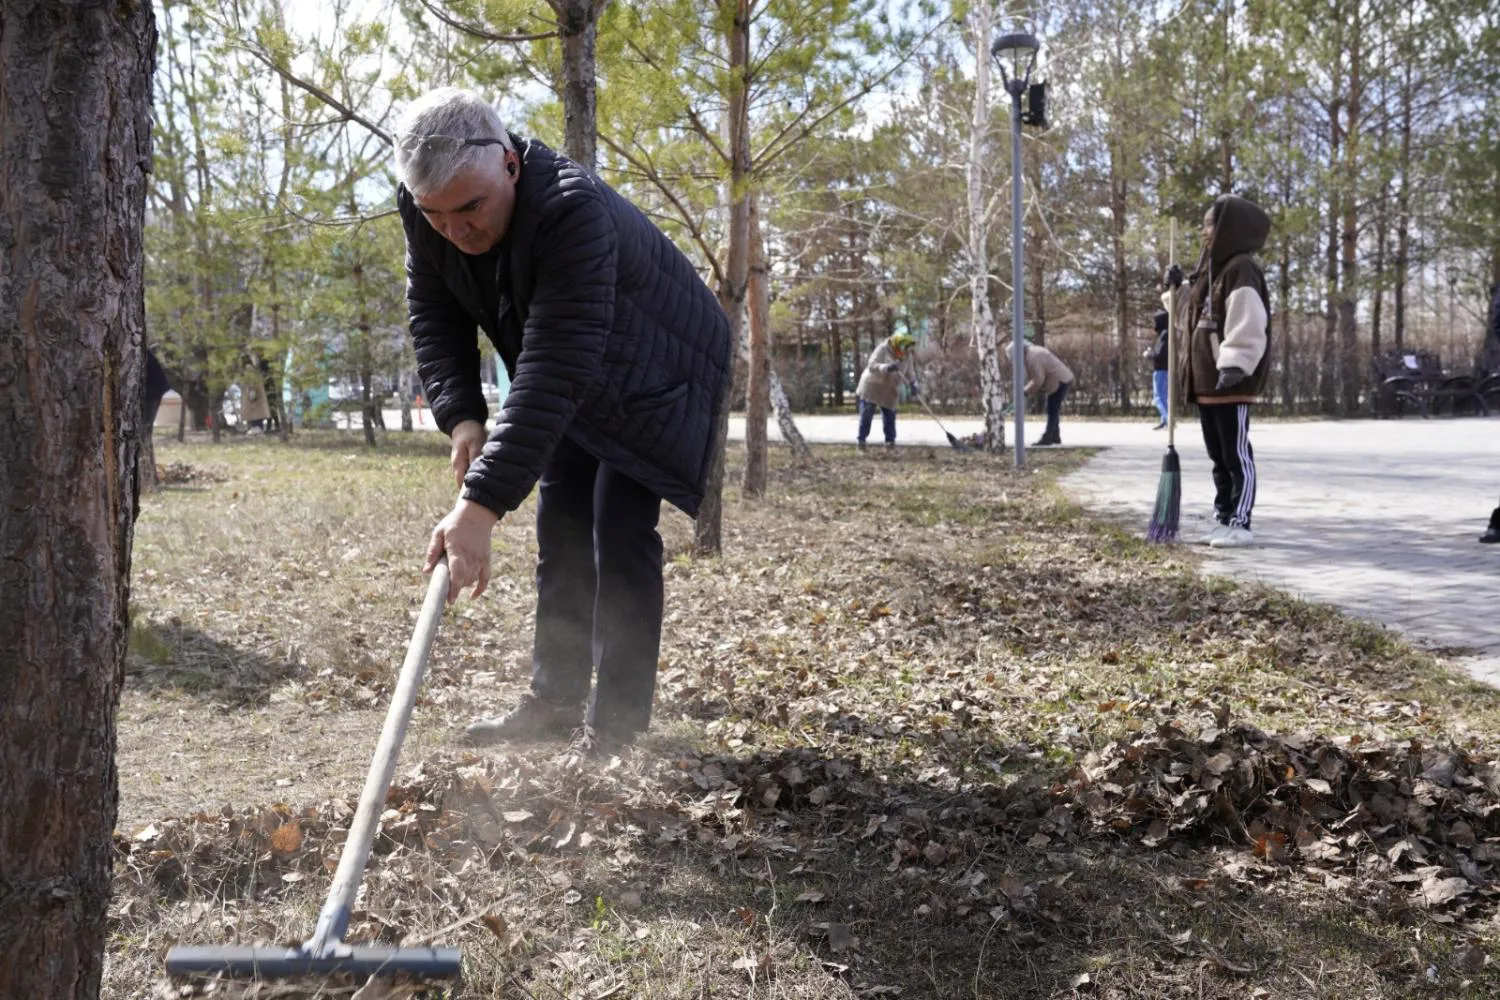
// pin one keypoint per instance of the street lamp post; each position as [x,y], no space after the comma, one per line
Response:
[1016,55]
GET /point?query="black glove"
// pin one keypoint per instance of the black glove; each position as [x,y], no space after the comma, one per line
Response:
[891,369]
[1173,277]
[912,388]
[1229,378]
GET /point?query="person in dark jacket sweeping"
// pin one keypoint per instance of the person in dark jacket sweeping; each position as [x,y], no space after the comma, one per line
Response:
[618,357]
[1158,356]
[1229,319]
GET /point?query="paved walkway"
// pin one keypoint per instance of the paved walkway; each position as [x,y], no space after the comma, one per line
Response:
[1377,517]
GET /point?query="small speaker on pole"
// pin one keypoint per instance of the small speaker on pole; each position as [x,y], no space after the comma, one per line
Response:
[1034,111]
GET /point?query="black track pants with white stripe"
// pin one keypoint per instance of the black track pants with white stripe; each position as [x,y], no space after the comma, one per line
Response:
[1226,435]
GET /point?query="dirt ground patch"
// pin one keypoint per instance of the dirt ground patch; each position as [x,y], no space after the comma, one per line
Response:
[925,730]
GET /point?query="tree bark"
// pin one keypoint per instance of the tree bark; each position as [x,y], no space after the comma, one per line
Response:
[758,384]
[578,22]
[836,361]
[782,407]
[1327,374]
[1226,89]
[759,293]
[1037,262]
[403,387]
[1349,272]
[146,464]
[366,407]
[75,102]
[1118,193]
[1283,297]
[1403,218]
[982,318]
[362,349]
[708,530]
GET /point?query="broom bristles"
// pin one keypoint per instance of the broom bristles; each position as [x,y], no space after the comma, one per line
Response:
[1163,526]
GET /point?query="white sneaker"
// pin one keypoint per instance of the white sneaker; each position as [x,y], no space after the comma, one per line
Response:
[1233,537]
[1207,538]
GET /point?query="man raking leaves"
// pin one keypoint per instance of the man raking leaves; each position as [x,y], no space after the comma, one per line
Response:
[618,357]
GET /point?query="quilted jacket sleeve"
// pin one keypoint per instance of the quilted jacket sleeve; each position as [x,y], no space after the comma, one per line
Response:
[444,337]
[562,348]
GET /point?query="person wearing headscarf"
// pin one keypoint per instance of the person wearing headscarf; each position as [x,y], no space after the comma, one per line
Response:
[890,364]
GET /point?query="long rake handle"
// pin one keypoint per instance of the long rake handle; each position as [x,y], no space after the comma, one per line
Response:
[333,920]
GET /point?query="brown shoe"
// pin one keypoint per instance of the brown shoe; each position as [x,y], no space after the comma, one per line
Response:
[533,718]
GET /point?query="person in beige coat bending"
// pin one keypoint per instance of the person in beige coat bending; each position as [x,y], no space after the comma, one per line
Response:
[880,386]
[1045,373]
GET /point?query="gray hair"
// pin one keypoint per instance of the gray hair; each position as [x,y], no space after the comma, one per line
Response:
[452,113]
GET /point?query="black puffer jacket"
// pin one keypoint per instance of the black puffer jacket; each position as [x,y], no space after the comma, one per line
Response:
[1160,358]
[607,332]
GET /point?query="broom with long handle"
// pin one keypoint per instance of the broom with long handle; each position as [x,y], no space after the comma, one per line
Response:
[1164,516]
[954,441]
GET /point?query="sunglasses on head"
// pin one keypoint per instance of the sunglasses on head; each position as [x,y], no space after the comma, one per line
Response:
[441,143]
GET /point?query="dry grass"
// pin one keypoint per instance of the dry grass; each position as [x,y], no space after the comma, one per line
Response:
[889,729]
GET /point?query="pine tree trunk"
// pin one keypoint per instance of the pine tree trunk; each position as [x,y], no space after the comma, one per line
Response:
[1403,219]
[1037,262]
[758,385]
[836,362]
[991,380]
[75,103]
[1118,194]
[1328,372]
[1382,209]
[366,408]
[403,386]
[578,21]
[1349,297]
[708,530]
[146,464]
[1283,297]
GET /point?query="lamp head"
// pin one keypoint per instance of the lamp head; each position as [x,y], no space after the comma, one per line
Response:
[1016,54]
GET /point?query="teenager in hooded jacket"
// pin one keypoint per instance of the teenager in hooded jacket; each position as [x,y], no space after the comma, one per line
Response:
[1228,315]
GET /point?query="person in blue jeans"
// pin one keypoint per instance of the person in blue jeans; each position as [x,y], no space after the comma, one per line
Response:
[880,386]
[1158,355]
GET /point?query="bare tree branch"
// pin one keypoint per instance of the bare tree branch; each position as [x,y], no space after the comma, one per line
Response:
[337,222]
[649,171]
[784,141]
[474,31]
[347,113]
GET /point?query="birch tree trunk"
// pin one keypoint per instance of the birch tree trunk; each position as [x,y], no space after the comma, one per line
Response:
[991,381]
